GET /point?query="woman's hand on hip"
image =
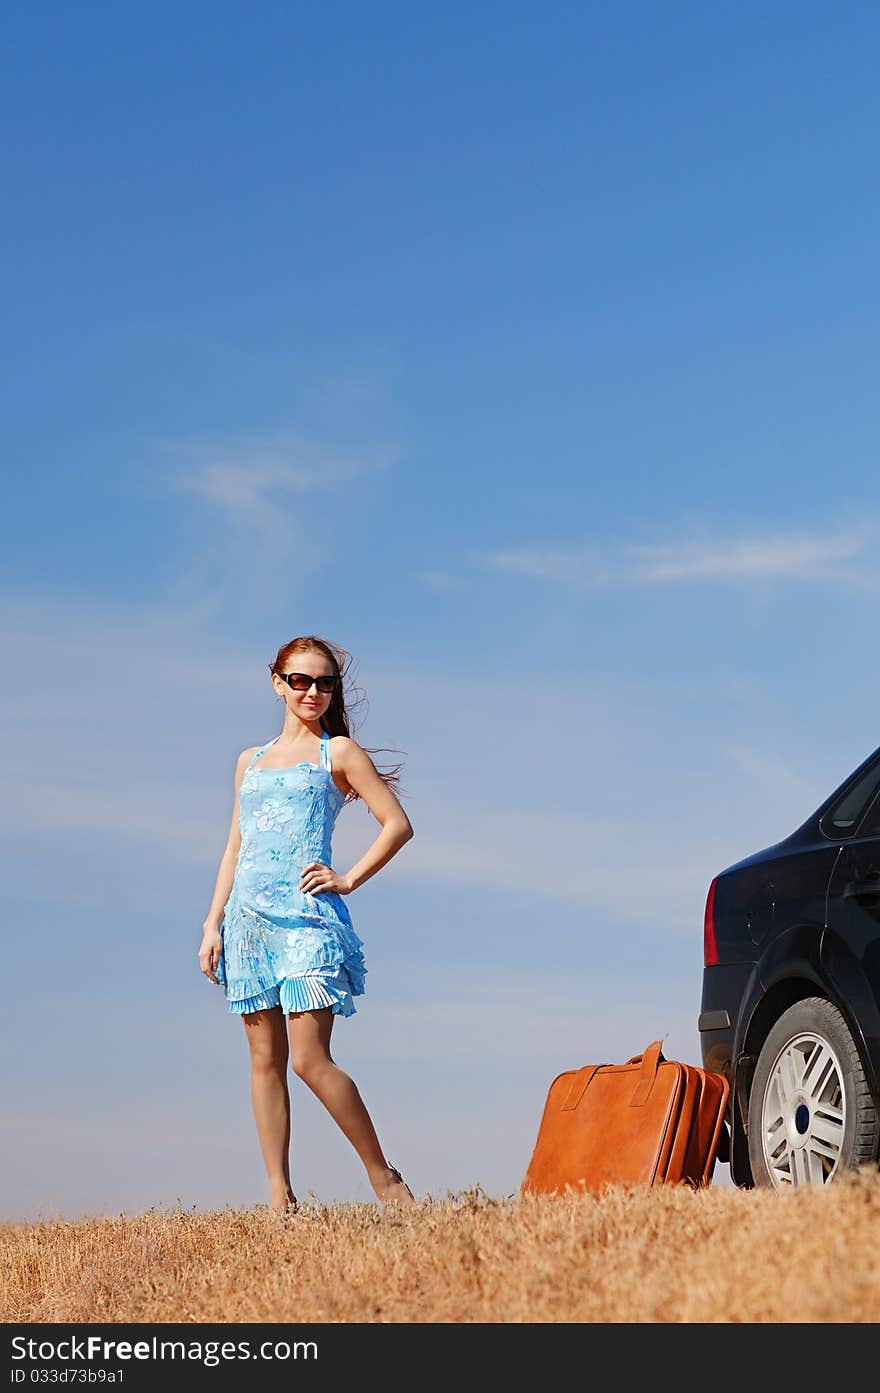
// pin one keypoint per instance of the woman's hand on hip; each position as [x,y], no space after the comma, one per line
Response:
[209,954]
[316,877]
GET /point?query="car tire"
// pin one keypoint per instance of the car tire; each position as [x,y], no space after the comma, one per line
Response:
[811,1113]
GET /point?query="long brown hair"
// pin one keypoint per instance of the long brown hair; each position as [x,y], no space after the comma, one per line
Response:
[335,719]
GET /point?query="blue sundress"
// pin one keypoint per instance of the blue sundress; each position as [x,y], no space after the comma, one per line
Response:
[283,946]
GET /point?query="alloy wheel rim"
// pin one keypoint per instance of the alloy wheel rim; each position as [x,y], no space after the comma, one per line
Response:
[804,1113]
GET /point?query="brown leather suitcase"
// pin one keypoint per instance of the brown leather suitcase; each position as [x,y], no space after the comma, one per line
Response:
[651,1120]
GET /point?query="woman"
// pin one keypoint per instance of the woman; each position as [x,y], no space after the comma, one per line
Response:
[278,937]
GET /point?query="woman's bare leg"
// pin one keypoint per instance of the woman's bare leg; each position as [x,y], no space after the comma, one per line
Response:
[310,1053]
[267,1039]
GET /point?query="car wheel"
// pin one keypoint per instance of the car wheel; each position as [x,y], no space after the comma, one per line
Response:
[811,1114]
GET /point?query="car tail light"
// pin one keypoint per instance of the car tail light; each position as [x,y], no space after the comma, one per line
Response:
[710,947]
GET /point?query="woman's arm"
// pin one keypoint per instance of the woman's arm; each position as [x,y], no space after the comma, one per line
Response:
[361,773]
[214,917]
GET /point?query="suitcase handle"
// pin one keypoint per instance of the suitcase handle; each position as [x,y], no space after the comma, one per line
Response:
[579,1085]
[637,1058]
[649,1060]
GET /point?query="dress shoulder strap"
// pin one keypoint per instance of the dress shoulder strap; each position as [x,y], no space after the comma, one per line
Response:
[261,751]
[325,752]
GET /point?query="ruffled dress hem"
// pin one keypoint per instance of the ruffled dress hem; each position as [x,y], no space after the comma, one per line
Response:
[307,991]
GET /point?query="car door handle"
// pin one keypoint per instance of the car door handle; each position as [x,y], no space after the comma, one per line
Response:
[859,889]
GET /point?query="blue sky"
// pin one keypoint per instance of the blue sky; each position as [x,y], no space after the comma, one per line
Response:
[530,354]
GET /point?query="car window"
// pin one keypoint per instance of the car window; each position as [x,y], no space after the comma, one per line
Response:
[871,825]
[842,818]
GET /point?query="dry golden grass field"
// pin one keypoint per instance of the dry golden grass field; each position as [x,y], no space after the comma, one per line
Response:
[666,1255]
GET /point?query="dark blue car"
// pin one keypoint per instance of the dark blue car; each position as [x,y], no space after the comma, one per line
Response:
[791,994]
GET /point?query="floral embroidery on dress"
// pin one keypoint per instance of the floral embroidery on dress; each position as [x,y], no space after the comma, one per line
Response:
[272,815]
[269,892]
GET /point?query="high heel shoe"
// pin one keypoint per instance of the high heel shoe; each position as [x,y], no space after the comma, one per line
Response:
[397,1176]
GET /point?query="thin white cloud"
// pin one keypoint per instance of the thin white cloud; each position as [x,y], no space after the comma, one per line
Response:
[245,490]
[249,477]
[770,556]
[797,557]
[579,870]
[580,570]
[258,523]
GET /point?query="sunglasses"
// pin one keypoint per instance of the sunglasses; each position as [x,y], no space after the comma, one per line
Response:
[302,681]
